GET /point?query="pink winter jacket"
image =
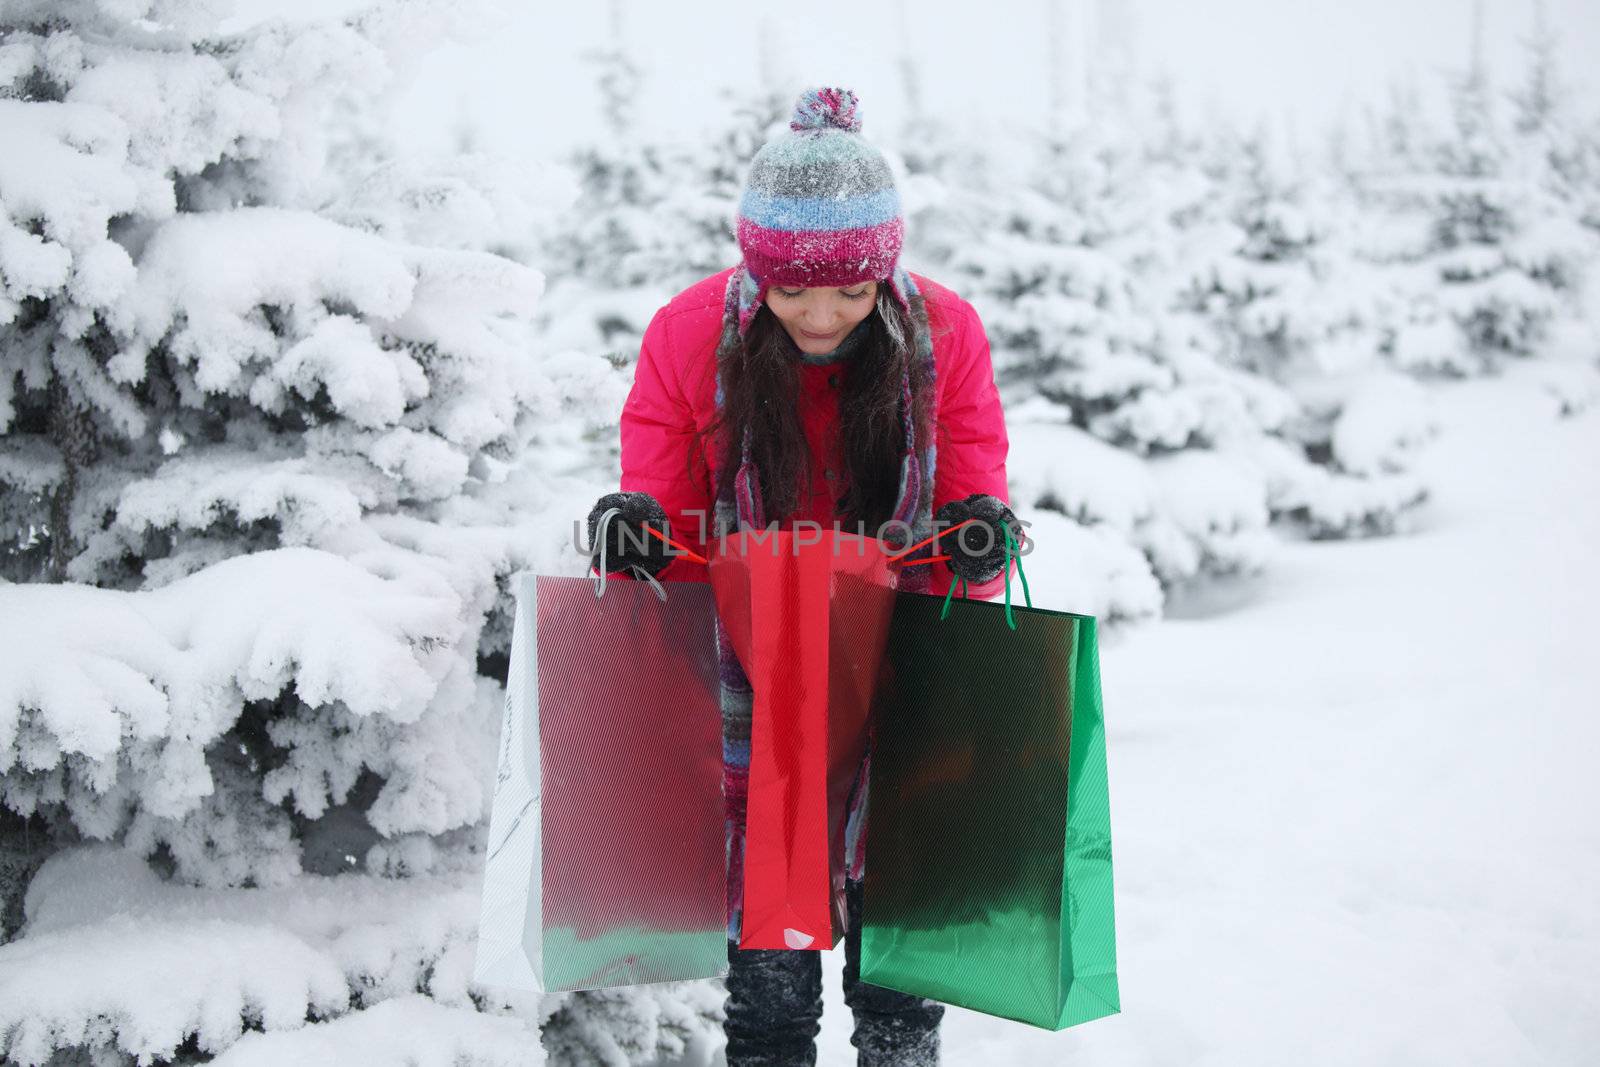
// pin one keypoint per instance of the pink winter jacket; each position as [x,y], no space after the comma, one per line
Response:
[667,452]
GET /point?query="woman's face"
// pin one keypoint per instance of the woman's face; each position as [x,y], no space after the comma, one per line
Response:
[819,318]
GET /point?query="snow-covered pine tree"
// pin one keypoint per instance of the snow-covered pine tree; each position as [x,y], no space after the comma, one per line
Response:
[266,409]
[1289,302]
[1479,248]
[718,171]
[1558,150]
[654,213]
[1113,404]
[1261,289]
[599,299]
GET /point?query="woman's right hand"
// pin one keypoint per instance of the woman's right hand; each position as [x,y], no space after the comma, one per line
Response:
[627,543]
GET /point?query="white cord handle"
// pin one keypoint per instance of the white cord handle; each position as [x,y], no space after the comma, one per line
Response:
[639,572]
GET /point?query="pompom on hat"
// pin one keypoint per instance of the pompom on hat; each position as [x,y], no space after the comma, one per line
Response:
[819,207]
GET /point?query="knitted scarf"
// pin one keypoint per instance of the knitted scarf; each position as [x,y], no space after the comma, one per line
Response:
[740,507]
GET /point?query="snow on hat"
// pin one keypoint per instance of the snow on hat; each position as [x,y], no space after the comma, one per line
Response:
[820,207]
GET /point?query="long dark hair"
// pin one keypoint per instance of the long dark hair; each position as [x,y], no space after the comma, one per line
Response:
[761,383]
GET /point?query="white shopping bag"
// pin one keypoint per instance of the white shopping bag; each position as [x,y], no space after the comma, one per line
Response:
[606,859]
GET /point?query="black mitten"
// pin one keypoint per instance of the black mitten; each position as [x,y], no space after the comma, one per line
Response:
[627,543]
[975,555]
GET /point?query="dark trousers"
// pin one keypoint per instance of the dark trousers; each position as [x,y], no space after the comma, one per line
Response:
[774,1008]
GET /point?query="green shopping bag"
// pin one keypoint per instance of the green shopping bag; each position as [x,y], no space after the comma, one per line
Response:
[987,880]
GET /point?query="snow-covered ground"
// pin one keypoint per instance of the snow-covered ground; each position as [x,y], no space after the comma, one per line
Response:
[1357,816]
[1355,821]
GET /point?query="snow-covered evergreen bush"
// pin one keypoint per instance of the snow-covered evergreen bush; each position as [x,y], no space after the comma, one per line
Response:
[1062,245]
[277,426]
[1479,237]
[1288,302]
[655,213]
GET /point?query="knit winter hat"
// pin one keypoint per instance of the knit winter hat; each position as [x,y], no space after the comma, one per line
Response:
[820,207]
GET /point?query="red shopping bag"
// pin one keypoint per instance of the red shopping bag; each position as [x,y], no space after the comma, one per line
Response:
[808,613]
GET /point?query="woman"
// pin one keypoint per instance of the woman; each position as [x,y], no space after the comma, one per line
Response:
[816,380]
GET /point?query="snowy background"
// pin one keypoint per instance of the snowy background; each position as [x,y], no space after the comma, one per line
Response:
[315,323]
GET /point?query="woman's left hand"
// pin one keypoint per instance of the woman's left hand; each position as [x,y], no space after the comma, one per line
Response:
[977,554]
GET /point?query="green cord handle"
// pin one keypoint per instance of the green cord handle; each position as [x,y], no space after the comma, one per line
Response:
[946,609]
[1013,554]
